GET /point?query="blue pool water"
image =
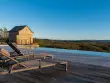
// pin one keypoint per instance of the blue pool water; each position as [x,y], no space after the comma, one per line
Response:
[86,57]
[91,53]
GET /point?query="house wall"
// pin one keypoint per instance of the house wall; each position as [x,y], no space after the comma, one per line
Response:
[25,36]
[12,36]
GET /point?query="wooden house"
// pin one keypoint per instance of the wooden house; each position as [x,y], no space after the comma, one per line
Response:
[21,35]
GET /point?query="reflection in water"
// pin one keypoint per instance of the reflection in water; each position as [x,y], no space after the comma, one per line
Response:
[28,46]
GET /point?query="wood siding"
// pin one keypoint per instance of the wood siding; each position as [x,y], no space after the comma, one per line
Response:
[24,36]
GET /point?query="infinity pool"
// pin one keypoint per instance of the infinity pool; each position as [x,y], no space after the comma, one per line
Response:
[86,57]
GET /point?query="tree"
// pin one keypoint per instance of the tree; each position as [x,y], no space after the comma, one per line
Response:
[5,32]
[5,29]
[1,29]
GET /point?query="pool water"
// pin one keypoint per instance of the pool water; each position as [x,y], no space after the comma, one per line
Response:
[86,57]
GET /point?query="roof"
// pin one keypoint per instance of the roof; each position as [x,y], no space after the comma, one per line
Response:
[18,28]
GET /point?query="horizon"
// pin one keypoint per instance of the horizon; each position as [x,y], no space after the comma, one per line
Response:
[72,40]
[59,19]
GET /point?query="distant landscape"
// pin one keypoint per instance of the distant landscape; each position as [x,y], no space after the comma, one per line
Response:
[88,45]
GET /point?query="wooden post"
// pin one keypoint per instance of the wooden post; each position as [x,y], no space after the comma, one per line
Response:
[66,66]
[33,56]
[39,63]
[52,57]
[10,69]
[44,57]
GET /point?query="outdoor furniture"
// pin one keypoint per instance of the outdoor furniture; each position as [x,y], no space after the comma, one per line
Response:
[27,62]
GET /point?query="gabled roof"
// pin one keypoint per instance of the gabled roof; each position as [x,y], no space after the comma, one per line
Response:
[18,28]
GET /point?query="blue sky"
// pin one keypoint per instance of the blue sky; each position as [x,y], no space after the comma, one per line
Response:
[59,19]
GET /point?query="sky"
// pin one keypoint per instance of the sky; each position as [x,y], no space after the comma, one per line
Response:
[59,19]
